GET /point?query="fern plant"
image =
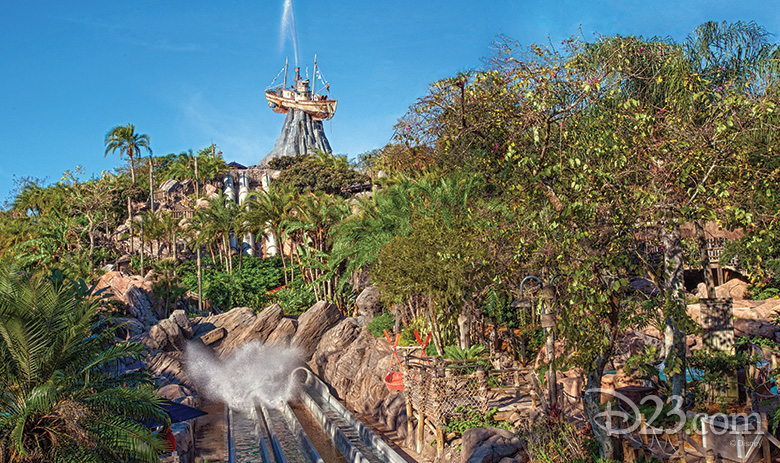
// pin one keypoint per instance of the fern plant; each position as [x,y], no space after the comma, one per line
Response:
[66,396]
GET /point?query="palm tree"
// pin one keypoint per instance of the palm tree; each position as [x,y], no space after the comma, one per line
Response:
[268,212]
[124,139]
[66,396]
[311,218]
[358,239]
[218,221]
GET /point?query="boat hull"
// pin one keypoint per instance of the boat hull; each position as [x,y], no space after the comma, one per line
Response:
[317,109]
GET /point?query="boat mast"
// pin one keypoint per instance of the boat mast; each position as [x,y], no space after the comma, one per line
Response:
[285,73]
[314,76]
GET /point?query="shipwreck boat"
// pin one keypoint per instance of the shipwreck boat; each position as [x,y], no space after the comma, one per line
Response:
[299,96]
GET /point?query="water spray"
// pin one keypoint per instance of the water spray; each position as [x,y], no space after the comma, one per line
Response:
[254,374]
[288,24]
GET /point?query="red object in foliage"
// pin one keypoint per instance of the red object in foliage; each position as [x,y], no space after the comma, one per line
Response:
[395,381]
[170,438]
[276,289]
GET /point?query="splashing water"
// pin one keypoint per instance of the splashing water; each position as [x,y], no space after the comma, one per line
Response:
[288,24]
[253,374]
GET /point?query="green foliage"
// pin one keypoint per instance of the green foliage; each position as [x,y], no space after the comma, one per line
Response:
[553,441]
[294,298]
[758,254]
[321,173]
[66,397]
[407,332]
[247,287]
[284,162]
[432,261]
[467,417]
[454,352]
[717,368]
[380,323]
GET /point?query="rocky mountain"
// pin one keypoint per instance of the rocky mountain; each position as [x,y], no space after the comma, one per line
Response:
[301,134]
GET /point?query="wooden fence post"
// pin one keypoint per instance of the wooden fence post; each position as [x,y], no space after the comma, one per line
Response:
[764,440]
[681,441]
[409,415]
[628,452]
[420,429]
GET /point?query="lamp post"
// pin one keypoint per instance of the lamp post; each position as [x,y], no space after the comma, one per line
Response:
[547,296]
[522,303]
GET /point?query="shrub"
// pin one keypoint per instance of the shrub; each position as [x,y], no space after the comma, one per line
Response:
[548,440]
[467,417]
[378,324]
[247,287]
[294,298]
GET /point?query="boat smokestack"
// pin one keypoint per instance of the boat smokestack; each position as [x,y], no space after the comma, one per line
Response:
[297,73]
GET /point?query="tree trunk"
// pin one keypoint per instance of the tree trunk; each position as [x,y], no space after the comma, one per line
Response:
[142,249]
[200,281]
[130,214]
[151,184]
[591,401]
[197,180]
[281,254]
[437,341]
[464,329]
[674,339]
[132,165]
[91,233]
[706,267]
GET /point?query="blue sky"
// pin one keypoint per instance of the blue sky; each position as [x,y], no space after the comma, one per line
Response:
[192,73]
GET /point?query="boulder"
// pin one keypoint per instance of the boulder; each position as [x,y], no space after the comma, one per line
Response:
[301,133]
[130,327]
[234,319]
[262,326]
[736,289]
[745,327]
[134,292]
[138,305]
[312,324]
[333,344]
[166,336]
[185,440]
[168,367]
[283,333]
[178,394]
[181,319]
[488,445]
[368,304]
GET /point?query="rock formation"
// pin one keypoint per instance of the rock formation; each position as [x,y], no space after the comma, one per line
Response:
[300,135]
[345,356]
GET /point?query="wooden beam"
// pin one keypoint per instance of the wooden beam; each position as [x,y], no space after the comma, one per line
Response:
[764,440]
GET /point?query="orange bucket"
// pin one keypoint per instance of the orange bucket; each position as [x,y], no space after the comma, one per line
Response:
[395,381]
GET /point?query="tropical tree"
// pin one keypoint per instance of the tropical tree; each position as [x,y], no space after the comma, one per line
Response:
[124,139]
[219,221]
[66,394]
[268,212]
[311,218]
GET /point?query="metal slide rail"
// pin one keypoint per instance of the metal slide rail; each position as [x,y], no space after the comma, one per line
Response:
[260,426]
[298,430]
[317,398]
[275,445]
[230,444]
